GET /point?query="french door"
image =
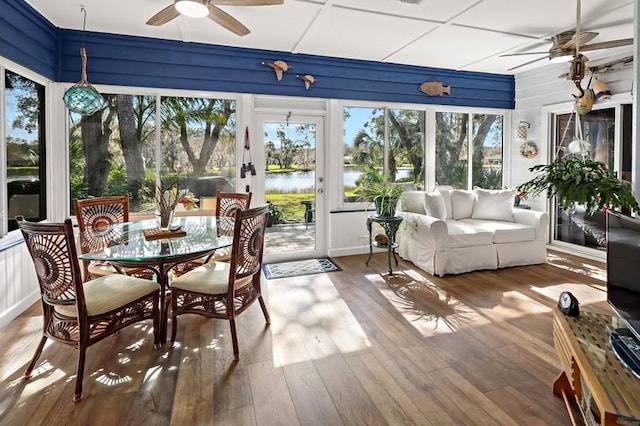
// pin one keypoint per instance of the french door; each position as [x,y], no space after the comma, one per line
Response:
[607,135]
[290,154]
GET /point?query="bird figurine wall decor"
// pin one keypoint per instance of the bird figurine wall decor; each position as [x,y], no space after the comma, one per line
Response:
[308,79]
[279,67]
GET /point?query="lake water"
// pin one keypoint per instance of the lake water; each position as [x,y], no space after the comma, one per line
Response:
[294,181]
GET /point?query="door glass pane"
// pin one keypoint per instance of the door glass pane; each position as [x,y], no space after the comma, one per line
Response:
[124,134]
[198,146]
[598,129]
[452,144]
[363,148]
[25,142]
[290,182]
[406,146]
[486,162]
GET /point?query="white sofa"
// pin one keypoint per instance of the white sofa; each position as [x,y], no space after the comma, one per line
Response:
[451,231]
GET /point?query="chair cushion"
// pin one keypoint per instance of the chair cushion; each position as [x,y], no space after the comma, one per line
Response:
[434,205]
[461,203]
[100,269]
[493,205]
[110,292]
[504,232]
[221,255]
[462,234]
[212,278]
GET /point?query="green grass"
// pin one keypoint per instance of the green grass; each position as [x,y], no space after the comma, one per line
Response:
[290,204]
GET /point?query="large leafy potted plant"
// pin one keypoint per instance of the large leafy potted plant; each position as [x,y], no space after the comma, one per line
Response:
[579,180]
[383,194]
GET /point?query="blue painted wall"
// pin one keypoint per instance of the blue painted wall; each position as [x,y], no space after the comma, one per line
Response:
[140,61]
[28,39]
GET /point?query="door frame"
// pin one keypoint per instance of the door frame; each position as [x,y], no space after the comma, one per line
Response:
[297,116]
[548,122]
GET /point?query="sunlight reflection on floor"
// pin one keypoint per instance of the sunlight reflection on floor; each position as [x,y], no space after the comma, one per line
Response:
[584,293]
[596,272]
[46,376]
[429,309]
[319,323]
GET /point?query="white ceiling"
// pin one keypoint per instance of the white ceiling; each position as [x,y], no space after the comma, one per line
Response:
[456,34]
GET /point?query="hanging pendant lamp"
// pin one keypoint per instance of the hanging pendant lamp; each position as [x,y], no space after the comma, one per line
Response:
[82,97]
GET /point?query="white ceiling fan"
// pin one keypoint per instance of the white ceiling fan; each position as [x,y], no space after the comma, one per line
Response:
[210,9]
[566,44]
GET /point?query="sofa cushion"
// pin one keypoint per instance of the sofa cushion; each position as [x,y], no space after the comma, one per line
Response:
[503,232]
[461,203]
[493,205]
[434,205]
[463,234]
[412,202]
[445,191]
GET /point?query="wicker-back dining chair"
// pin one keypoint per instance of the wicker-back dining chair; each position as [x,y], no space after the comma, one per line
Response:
[225,289]
[80,314]
[95,215]
[228,204]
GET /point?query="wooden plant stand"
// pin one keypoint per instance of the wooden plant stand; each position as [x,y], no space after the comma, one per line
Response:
[605,391]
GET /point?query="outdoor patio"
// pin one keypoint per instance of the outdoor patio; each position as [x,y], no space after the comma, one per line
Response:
[290,237]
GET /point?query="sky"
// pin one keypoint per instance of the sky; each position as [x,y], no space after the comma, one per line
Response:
[11,114]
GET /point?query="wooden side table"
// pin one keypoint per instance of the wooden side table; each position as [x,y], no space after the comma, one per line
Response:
[606,392]
[390,226]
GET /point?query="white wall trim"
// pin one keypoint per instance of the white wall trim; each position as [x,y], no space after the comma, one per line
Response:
[8,315]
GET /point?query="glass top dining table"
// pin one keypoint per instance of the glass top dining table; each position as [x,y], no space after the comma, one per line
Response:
[128,247]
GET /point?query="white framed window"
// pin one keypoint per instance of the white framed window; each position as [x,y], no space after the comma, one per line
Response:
[421,146]
[23,145]
[167,136]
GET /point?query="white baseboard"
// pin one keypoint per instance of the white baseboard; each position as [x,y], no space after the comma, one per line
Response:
[348,251]
[7,316]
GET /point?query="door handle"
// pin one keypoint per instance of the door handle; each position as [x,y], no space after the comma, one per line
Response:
[320,191]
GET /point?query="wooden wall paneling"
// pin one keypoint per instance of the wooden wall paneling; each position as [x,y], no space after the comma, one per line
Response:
[140,61]
[27,38]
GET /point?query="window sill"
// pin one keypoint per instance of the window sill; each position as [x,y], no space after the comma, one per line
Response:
[12,239]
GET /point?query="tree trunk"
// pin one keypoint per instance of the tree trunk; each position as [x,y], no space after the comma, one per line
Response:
[131,147]
[479,138]
[95,141]
[408,144]
[211,137]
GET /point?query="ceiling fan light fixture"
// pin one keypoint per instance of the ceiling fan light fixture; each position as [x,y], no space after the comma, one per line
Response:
[193,8]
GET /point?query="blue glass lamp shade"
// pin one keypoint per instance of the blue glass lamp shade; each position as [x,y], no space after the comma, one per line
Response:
[82,98]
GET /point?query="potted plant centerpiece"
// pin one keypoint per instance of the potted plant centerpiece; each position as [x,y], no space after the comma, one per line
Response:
[383,194]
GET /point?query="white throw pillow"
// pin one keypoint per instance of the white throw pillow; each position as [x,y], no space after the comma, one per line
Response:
[446,196]
[494,205]
[412,201]
[461,203]
[434,205]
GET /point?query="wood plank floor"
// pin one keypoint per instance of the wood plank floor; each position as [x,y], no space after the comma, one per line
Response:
[357,347]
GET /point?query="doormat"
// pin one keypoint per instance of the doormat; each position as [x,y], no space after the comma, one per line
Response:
[300,267]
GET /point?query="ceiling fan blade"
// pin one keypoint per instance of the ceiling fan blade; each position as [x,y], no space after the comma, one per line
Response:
[527,63]
[165,15]
[227,21]
[607,44]
[585,38]
[247,2]
[524,53]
